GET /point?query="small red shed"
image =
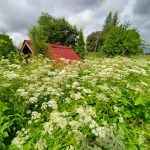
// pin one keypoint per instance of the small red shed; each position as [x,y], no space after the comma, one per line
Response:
[56,51]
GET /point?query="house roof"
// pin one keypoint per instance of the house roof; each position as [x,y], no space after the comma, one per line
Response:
[56,51]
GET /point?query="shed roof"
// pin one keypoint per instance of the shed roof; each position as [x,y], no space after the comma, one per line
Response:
[56,51]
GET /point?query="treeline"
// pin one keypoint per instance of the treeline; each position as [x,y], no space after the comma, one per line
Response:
[114,38]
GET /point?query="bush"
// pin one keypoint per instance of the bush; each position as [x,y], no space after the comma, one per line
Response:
[6,45]
[123,41]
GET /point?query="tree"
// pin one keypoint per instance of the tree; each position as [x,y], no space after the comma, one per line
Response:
[80,45]
[39,41]
[115,20]
[6,45]
[110,23]
[94,41]
[123,41]
[54,30]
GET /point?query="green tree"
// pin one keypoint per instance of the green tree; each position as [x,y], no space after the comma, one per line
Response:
[94,41]
[115,20]
[110,23]
[6,45]
[54,30]
[123,41]
[80,45]
[39,41]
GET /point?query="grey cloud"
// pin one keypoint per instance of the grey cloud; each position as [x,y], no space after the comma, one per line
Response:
[81,5]
[17,16]
[142,7]
[141,12]
[21,14]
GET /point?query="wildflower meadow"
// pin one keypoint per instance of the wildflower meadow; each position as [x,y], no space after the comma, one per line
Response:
[97,104]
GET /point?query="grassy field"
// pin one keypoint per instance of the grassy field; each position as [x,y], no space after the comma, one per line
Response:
[101,104]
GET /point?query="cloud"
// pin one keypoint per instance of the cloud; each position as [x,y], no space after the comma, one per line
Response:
[142,7]
[17,37]
[81,19]
[17,16]
[80,5]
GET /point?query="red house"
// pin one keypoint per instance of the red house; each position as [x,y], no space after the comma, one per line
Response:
[56,51]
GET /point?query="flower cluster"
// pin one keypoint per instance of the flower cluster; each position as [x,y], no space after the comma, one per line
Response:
[86,105]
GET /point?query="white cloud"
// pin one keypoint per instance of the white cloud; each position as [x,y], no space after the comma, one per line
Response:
[81,19]
[17,37]
[127,12]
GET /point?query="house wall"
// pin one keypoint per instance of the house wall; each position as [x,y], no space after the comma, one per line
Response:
[26,50]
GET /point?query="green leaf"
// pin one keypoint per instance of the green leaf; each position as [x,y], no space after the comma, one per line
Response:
[146,115]
[139,101]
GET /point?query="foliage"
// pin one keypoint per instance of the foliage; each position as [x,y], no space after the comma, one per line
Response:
[6,45]
[54,30]
[123,41]
[103,103]
[39,41]
[94,41]
[5,122]
[80,45]
[110,23]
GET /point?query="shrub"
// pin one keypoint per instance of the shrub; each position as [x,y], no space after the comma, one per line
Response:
[123,41]
[6,45]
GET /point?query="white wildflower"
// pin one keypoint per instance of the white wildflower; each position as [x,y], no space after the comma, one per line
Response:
[41,144]
[104,122]
[70,148]
[116,109]
[74,124]
[93,124]
[121,118]
[102,97]
[52,103]
[77,96]
[67,100]
[75,84]
[28,111]
[88,91]
[33,99]
[22,92]
[44,105]
[61,122]
[141,139]
[48,127]
[30,121]
[35,115]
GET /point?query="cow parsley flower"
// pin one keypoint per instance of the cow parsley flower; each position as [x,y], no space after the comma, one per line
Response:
[76,96]
[35,115]
[52,103]
[41,144]
[33,99]
[102,97]
[48,127]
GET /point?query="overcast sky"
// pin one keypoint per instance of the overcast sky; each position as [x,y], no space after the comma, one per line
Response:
[17,16]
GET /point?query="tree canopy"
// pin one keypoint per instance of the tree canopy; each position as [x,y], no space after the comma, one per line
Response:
[94,41]
[116,39]
[110,23]
[80,45]
[123,40]
[54,30]
[6,45]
